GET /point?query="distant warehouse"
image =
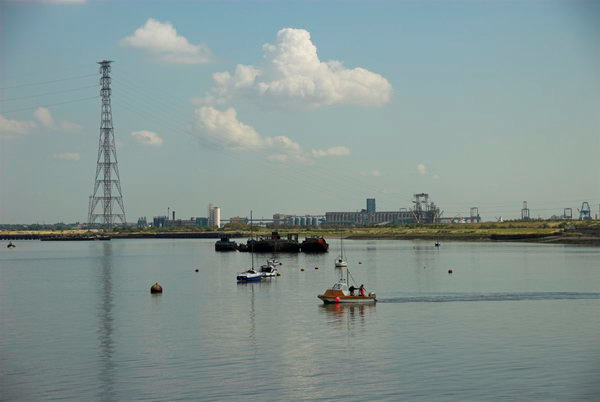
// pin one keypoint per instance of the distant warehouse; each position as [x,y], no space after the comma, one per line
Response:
[369,218]
[423,211]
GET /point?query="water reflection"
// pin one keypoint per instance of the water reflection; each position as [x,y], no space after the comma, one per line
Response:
[339,314]
[105,324]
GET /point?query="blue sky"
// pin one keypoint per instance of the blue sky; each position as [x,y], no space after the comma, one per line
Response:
[315,106]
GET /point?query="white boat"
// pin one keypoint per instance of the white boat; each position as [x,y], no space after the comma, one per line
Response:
[273,261]
[341,262]
[341,293]
[268,270]
[250,275]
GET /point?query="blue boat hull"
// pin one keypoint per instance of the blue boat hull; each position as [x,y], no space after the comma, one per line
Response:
[246,279]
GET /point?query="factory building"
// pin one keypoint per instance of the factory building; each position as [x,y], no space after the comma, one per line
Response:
[297,220]
[363,218]
[422,212]
[370,205]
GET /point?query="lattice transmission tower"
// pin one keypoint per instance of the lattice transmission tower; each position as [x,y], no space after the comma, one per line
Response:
[107,168]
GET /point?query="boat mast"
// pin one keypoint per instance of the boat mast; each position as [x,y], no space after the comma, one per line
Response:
[251,241]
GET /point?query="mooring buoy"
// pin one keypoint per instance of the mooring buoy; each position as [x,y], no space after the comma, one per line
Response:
[156,288]
[316,267]
[196,269]
[449,271]
[301,269]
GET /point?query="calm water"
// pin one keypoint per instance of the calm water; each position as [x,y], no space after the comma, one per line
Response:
[514,321]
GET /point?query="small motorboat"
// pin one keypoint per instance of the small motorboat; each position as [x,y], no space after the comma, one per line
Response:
[341,293]
[250,275]
[274,262]
[268,270]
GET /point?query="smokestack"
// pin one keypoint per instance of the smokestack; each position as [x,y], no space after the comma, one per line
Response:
[173,215]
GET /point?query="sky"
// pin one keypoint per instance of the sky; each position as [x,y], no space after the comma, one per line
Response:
[301,107]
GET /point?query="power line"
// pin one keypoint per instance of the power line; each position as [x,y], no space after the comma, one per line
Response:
[48,93]
[51,104]
[48,82]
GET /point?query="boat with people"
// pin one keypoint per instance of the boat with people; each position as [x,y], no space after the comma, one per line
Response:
[340,292]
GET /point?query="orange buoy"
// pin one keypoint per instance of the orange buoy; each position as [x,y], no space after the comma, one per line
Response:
[156,288]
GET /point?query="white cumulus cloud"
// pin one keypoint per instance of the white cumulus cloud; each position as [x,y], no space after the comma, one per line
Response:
[162,40]
[293,75]
[421,168]
[44,116]
[12,128]
[147,137]
[224,128]
[69,156]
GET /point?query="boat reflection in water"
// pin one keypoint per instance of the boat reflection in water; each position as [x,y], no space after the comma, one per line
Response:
[347,315]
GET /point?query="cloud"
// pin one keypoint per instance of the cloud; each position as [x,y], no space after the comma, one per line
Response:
[12,128]
[224,128]
[333,151]
[147,137]
[421,168]
[68,156]
[372,173]
[162,40]
[44,116]
[70,126]
[294,76]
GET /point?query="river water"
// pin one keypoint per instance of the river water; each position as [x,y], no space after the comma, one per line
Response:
[513,321]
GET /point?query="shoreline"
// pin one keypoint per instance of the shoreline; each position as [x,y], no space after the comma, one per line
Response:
[567,237]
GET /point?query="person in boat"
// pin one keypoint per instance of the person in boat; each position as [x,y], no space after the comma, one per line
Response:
[362,290]
[351,289]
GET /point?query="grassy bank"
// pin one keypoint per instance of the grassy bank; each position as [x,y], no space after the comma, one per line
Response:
[567,232]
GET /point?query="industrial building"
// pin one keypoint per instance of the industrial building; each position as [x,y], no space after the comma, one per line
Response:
[423,211]
[164,222]
[297,220]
